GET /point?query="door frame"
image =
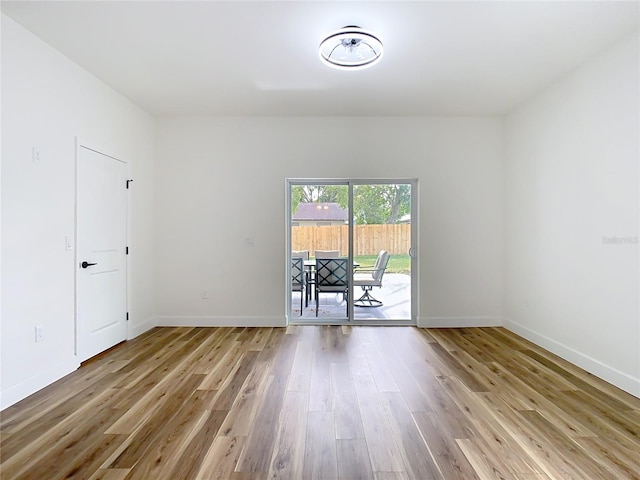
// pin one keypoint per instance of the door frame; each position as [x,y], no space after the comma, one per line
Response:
[413,251]
[90,145]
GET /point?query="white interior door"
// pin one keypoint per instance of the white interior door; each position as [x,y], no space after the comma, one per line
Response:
[101,297]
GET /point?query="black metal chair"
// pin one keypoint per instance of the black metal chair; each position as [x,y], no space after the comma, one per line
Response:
[331,276]
[367,278]
[298,276]
[311,274]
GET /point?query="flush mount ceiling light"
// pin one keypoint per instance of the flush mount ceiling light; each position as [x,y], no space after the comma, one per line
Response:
[351,48]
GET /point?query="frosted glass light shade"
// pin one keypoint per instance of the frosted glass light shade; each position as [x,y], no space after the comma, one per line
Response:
[351,48]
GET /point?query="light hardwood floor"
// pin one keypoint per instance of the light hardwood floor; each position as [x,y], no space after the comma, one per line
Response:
[326,402]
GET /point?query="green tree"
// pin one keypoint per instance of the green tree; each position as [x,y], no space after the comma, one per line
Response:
[381,204]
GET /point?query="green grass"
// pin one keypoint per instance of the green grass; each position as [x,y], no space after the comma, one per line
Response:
[397,263]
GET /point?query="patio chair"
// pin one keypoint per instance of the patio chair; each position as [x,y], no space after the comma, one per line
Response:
[367,278]
[327,253]
[304,255]
[298,283]
[311,274]
[332,275]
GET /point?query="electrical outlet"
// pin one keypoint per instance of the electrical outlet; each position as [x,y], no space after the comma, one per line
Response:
[39,333]
[35,155]
[204,295]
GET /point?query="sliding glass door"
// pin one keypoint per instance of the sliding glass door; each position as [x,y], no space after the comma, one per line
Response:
[349,251]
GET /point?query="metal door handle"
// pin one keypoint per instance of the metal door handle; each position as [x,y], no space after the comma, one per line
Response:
[87,264]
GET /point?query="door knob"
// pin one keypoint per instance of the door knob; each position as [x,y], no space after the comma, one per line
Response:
[87,264]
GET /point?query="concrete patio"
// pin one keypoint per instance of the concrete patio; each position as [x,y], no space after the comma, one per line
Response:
[395,295]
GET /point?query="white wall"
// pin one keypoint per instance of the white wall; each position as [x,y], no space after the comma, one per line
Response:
[46,102]
[571,180]
[220,180]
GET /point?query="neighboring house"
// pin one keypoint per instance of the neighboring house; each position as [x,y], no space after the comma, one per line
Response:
[319,214]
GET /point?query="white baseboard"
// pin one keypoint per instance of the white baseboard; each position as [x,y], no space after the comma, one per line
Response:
[459,322]
[616,377]
[140,328]
[31,385]
[194,321]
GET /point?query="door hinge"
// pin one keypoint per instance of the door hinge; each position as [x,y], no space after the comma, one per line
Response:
[128,182]
[127,316]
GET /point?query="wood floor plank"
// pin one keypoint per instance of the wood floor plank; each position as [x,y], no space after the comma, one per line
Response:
[243,412]
[468,378]
[39,452]
[485,468]
[353,459]
[535,400]
[622,464]
[478,348]
[271,346]
[357,359]
[320,457]
[416,399]
[331,341]
[225,367]
[390,476]
[257,452]
[348,423]
[221,458]
[610,399]
[217,348]
[574,457]
[300,376]
[198,443]
[162,455]
[447,453]
[602,426]
[47,456]
[283,361]
[448,414]
[110,474]
[320,399]
[383,451]
[40,405]
[146,437]
[491,434]
[149,395]
[288,454]
[54,418]
[335,402]
[232,385]
[136,382]
[380,372]
[418,458]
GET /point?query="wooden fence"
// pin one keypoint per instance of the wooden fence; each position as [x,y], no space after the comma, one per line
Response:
[368,239]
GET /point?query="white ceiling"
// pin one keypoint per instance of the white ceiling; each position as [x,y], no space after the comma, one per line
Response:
[260,58]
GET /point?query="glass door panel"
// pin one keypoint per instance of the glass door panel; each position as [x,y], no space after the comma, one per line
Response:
[320,235]
[381,245]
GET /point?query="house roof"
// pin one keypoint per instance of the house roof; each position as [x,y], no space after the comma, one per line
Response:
[323,211]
